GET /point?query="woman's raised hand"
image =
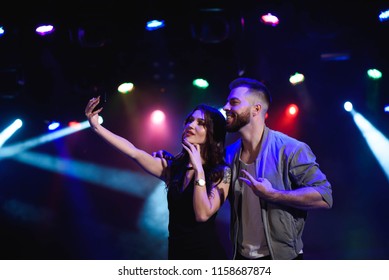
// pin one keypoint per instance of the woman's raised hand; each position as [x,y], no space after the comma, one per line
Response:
[194,153]
[90,112]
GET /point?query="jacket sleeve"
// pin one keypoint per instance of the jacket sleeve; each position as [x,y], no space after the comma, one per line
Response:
[305,172]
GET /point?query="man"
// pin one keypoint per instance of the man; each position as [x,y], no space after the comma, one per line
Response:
[275,179]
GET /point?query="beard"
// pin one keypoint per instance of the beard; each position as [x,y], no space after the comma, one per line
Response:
[239,121]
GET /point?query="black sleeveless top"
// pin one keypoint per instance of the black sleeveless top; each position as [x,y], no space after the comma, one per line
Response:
[189,239]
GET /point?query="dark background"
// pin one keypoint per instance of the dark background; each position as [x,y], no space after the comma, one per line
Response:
[76,198]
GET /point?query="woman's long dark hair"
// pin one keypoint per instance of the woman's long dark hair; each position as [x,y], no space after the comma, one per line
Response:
[212,150]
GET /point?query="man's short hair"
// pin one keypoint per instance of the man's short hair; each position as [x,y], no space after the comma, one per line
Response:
[252,84]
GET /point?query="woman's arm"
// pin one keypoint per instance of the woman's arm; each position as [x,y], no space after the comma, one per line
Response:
[206,205]
[154,166]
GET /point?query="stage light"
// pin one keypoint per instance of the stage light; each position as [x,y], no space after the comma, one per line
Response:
[200,83]
[155,125]
[43,30]
[374,74]
[126,88]
[288,121]
[292,110]
[270,19]
[74,124]
[12,150]
[384,15]
[157,117]
[137,184]
[9,131]
[297,78]
[2,31]
[348,106]
[53,125]
[155,24]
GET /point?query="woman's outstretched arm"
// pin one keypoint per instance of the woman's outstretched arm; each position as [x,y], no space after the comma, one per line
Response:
[153,165]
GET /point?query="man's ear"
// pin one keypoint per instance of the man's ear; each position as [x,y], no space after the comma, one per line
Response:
[257,109]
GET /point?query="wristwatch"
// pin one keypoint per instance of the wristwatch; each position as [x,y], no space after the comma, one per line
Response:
[200,182]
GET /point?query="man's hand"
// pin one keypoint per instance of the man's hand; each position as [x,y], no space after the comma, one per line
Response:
[260,186]
[163,154]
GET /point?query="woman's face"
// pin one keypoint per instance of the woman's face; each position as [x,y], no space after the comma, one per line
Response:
[195,130]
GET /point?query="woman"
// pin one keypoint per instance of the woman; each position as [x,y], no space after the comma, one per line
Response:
[197,180]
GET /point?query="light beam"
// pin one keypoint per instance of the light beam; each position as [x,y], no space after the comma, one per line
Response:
[376,141]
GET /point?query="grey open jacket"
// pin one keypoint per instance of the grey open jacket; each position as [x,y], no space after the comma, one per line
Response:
[288,164]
